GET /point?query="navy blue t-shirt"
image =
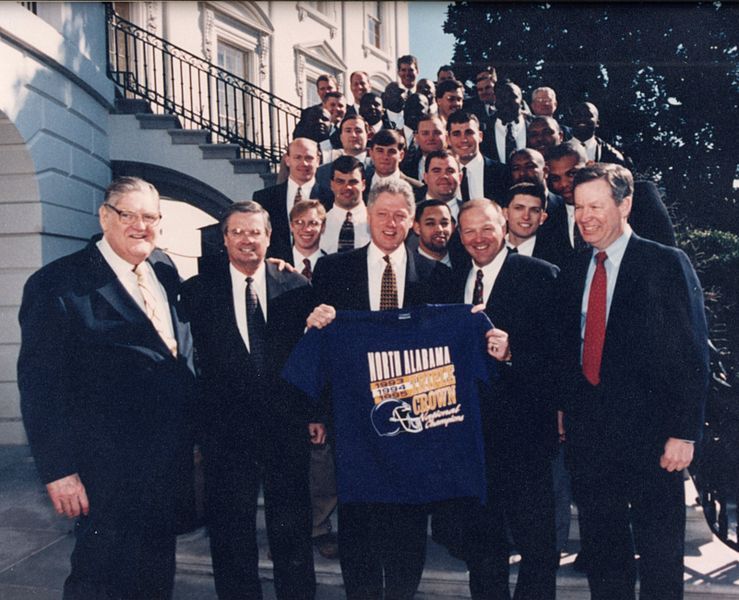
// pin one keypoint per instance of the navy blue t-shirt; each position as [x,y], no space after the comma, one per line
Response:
[403,387]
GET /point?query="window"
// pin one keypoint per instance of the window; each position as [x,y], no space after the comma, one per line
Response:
[231,100]
[374,24]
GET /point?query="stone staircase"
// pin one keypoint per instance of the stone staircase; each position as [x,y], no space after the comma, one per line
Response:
[139,136]
[711,568]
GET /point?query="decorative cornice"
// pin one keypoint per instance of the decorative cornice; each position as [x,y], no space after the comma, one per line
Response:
[208,33]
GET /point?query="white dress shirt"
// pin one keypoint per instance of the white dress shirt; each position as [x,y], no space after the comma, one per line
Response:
[378,179]
[335,219]
[525,248]
[591,148]
[313,258]
[124,272]
[489,275]
[519,133]
[292,189]
[476,177]
[238,285]
[571,223]
[376,267]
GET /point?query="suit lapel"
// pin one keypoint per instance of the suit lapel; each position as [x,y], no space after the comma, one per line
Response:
[628,274]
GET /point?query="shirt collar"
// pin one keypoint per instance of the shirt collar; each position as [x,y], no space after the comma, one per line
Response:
[375,255]
[121,267]
[360,210]
[305,189]
[494,266]
[238,277]
[616,250]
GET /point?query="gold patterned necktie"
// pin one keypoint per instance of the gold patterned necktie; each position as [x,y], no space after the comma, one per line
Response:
[389,287]
[150,307]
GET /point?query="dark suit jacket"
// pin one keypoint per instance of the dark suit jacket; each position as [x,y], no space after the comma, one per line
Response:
[240,409]
[274,200]
[340,280]
[606,153]
[488,146]
[101,394]
[521,425]
[649,218]
[654,370]
[495,182]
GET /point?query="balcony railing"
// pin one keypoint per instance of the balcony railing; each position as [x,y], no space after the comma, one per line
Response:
[201,94]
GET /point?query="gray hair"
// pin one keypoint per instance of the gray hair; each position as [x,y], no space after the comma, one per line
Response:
[248,207]
[121,186]
[394,186]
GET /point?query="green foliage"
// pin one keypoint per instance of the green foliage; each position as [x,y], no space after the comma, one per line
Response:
[664,76]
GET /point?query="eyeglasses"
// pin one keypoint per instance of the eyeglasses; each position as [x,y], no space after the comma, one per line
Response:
[301,224]
[129,218]
[243,233]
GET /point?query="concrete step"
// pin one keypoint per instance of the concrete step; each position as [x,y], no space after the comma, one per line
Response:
[158,121]
[213,151]
[189,136]
[132,106]
[250,165]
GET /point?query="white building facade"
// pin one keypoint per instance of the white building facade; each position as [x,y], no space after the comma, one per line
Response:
[63,135]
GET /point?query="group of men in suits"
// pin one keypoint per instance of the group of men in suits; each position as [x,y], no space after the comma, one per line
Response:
[590,319]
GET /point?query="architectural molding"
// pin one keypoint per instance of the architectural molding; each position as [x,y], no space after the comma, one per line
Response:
[304,9]
[299,74]
[152,17]
[321,52]
[208,33]
[246,13]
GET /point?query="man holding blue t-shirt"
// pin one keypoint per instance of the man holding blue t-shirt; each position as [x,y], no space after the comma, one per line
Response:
[382,545]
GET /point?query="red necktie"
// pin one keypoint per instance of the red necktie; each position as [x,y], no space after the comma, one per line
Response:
[595,322]
[307,272]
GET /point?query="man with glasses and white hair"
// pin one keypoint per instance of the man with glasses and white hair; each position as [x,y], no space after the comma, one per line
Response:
[106,378]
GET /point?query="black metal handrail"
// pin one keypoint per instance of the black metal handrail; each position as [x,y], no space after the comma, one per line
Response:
[202,94]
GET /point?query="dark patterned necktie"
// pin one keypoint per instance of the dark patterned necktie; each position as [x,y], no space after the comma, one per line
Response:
[595,322]
[464,186]
[307,272]
[298,195]
[477,292]
[510,142]
[346,234]
[255,326]
[389,287]
[513,250]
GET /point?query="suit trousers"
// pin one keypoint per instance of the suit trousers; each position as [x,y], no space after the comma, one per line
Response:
[116,562]
[382,546]
[232,486]
[615,498]
[520,503]
[322,488]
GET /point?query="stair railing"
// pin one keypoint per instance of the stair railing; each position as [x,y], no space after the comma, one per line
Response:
[201,94]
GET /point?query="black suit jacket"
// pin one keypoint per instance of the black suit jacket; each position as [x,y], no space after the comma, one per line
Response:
[340,280]
[101,394]
[240,409]
[495,180]
[654,370]
[520,424]
[274,200]
[488,146]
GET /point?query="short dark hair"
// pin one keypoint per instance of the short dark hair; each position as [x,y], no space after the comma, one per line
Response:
[249,207]
[461,116]
[346,164]
[618,178]
[333,95]
[568,148]
[438,154]
[353,117]
[448,85]
[406,59]
[428,203]
[444,68]
[328,78]
[527,189]
[388,137]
